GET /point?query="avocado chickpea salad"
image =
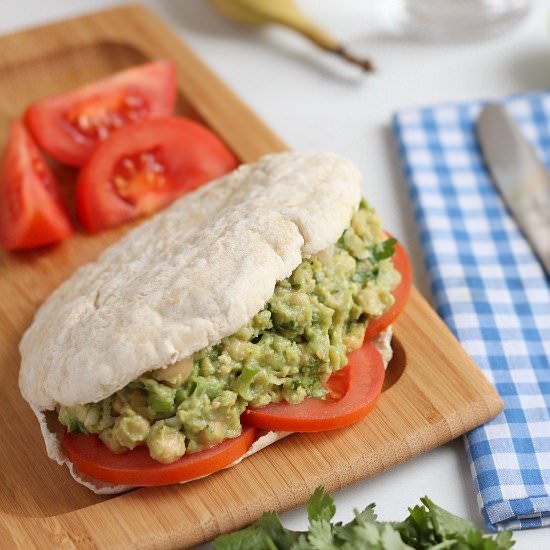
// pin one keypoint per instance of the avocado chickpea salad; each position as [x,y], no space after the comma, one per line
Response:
[286,353]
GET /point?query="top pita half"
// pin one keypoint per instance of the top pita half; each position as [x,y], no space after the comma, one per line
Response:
[185,279]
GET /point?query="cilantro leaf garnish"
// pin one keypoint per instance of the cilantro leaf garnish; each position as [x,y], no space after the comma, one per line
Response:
[384,250]
[427,527]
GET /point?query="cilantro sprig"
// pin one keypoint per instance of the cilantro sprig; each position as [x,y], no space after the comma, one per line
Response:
[384,250]
[428,527]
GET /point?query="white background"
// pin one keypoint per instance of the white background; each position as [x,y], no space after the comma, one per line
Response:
[315,102]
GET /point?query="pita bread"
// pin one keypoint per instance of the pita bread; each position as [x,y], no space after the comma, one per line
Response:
[155,297]
[186,278]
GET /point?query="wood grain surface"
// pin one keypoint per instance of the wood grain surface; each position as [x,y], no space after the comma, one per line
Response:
[433,392]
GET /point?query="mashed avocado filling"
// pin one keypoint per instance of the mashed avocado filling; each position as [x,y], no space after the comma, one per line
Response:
[286,352]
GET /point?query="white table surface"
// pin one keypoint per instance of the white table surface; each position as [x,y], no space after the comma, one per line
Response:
[317,103]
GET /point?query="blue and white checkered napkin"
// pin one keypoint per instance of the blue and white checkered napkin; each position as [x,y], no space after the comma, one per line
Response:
[492,292]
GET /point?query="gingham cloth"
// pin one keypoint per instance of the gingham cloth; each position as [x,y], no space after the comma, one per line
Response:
[493,294]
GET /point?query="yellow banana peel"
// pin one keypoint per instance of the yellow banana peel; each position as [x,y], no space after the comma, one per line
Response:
[286,13]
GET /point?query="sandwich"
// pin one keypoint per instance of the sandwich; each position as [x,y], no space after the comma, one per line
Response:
[255,306]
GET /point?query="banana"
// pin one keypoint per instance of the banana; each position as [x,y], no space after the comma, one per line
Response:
[286,13]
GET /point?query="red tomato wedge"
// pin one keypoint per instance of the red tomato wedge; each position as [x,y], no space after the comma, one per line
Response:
[69,126]
[91,457]
[354,391]
[401,293]
[31,213]
[146,165]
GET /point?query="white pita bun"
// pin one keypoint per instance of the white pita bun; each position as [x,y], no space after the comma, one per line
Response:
[182,281]
[185,279]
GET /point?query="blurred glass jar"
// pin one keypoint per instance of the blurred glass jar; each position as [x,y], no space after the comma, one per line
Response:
[463,19]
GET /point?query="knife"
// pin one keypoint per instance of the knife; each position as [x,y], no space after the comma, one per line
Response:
[519,175]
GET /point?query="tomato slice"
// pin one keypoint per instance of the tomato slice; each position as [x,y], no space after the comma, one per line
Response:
[354,391]
[401,293]
[69,126]
[146,165]
[136,467]
[31,213]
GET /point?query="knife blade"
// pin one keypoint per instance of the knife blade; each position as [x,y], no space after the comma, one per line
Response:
[520,176]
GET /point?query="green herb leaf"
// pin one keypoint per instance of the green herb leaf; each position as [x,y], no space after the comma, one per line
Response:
[446,524]
[320,535]
[367,514]
[272,526]
[417,529]
[251,538]
[428,527]
[384,250]
[320,506]
[504,540]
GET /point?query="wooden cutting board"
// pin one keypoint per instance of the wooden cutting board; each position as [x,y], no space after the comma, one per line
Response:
[433,392]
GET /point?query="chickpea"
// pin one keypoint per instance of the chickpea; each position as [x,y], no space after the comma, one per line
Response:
[108,437]
[326,255]
[129,431]
[175,374]
[165,444]
[237,349]
[299,299]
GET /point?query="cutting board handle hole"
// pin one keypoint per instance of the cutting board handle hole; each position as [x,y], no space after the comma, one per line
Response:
[396,366]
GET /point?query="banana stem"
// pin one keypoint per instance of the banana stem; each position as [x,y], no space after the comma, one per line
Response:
[364,62]
[324,41]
